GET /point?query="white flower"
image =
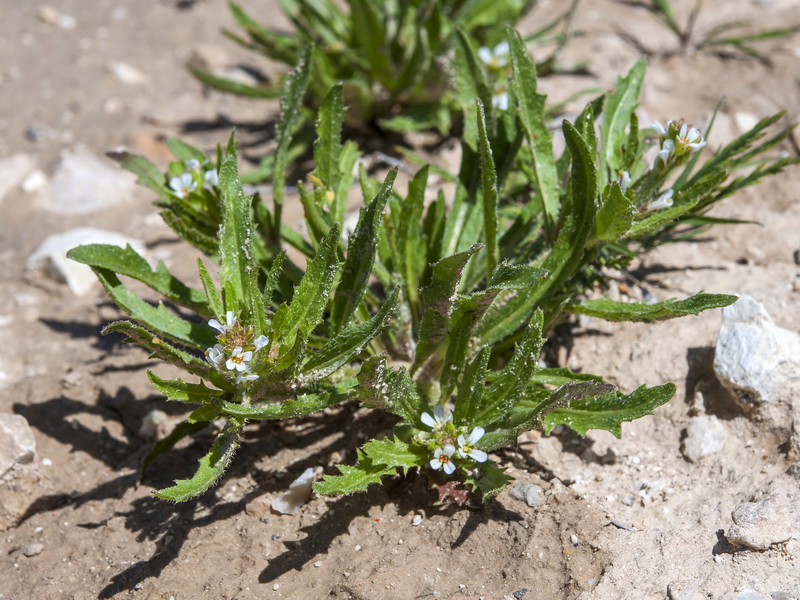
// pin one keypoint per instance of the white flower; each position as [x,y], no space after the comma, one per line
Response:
[183,185]
[625,181]
[466,447]
[494,59]
[690,138]
[663,201]
[239,359]
[216,355]
[230,321]
[211,178]
[245,377]
[260,342]
[192,164]
[500,98]
[441,459]
[660,129]
[438,420]
[667,149]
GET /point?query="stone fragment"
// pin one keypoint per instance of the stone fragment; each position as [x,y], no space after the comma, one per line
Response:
[759,525]
[705,435]
[682,589]
[753,354]
[529,493]
[83,183]
[17,444]
[34,182]
[32,549]
[748,594]
[13,171]
[153,425]
[50,258]
[126,73]
[299,493]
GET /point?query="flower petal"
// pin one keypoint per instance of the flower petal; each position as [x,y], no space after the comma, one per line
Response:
[478,455]
[476,434]
[428,420]
[449,468]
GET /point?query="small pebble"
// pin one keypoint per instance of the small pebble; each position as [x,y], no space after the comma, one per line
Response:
[318,564]
[749,594]
[573,539]
[276,587]
[417,520]
[682,589]
[33,549]
[357,548]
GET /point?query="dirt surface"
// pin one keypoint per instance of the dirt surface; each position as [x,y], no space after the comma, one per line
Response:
[617,518]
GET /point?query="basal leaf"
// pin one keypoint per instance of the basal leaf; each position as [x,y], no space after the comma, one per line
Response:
[235,239]
[489,194]
[615,310]
[609,411]
[357,267]
[128,262]
[328,145]
[211,468]
[619,106]
[350,342]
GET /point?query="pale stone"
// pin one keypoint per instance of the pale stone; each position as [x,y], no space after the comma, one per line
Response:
[50,258]
[759,525]
[126,73]
[705,435]
[299,493]
[753,354]
[84,183]
[17,444]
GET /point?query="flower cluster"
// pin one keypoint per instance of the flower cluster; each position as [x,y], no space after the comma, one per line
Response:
[677,140]
[445,434]
[234,354]
[196,174]
[496,59]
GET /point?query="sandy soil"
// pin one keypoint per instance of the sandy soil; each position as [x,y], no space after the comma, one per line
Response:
[619,518]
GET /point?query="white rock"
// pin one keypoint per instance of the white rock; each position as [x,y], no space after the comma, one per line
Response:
[17,444]
[153,424]
[34,182]
[50,258]
[126,73]
[753,354]
[705,435]
[529,493]
[759,525]
[84,183]
[745,121]
[299,493]
[13,171]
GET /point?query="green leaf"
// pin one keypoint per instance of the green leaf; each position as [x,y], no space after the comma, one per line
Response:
[328,145]
[357,267]
[350,342]
[235,239]
[294,90]
[369,35]
[534,123]
[401,397]
[352,479]
[614,310]
[183,151]
[126,261]
[236,87]
[158,347]
[609,411]
[470,83]
[616,215]
[311,295]
[471,389]
[304,405]
[489,189]
[213,299]
[409,251]
[181,391]
[437,302]
[490,480]
[147,173]
[619,106]
[161,320]
[509,386]
[211,468]
[391,452]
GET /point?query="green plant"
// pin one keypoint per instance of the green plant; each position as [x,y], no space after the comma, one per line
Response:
[434,312]
[392,57]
